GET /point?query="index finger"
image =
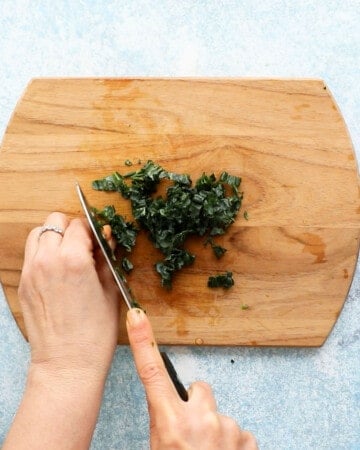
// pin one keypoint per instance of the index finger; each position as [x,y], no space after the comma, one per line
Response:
[160,391]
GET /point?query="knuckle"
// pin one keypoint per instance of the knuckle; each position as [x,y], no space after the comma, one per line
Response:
[172,440]
[77,222]
[42,263]
[34,233]
[211,422]
[178,429]
[77,225]
[230,425]
[140,336]
[249,440]
[56,218]
[74,260]
[203,389]
[151,373]
[203,386]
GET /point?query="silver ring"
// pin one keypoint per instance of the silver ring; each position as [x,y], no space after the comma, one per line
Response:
[51,228]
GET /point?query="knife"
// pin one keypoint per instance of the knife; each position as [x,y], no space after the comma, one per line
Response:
[122,284]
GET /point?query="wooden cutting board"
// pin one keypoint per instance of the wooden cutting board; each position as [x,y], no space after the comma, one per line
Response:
[293,260]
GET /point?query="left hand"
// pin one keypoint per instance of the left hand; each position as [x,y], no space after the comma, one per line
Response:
[69,300]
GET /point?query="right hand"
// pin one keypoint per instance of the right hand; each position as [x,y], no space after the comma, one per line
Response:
[175,424]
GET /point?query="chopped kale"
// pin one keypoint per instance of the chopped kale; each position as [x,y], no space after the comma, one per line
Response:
[127,265]
[123,232]
[217,249]
[174,261]
[207,208]
[114,182]
[223,280]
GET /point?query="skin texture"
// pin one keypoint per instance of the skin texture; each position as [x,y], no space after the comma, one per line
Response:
[175,424]
[70,305]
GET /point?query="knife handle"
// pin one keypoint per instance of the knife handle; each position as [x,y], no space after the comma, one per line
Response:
[174,377]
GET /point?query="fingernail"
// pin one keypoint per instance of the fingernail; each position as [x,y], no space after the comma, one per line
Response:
[135,316]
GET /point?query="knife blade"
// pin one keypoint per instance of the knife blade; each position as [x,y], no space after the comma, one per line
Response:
[122,283]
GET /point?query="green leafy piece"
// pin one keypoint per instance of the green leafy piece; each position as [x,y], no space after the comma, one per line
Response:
[223,280]
[173,262]
[246,215]
[123,232]
[232,180]
[127,265]
[128,162]
[218,250]
[114,182]
[207,208]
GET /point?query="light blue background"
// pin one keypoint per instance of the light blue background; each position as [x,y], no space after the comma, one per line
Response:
[290,398]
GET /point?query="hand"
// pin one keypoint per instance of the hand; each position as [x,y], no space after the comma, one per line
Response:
[69,301]
[191,425]
[70,306]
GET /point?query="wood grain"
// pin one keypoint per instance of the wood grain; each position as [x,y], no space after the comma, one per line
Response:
[293,260]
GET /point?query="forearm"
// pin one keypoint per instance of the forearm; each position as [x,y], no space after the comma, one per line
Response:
[56,412]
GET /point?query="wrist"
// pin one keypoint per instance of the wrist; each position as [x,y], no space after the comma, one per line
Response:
[62,380]
[58,410]
[79,363]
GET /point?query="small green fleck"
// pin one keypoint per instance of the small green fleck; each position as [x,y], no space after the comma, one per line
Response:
[127,265]
[128,162]
[246,215]
[244,306]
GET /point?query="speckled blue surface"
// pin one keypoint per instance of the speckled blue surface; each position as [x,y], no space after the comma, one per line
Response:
[290,398]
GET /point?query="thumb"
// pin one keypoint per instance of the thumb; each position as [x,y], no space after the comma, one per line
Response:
[159,388]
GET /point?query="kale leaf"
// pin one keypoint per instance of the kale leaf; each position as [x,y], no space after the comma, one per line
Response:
[209,207]
[123,232]
[223,280]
